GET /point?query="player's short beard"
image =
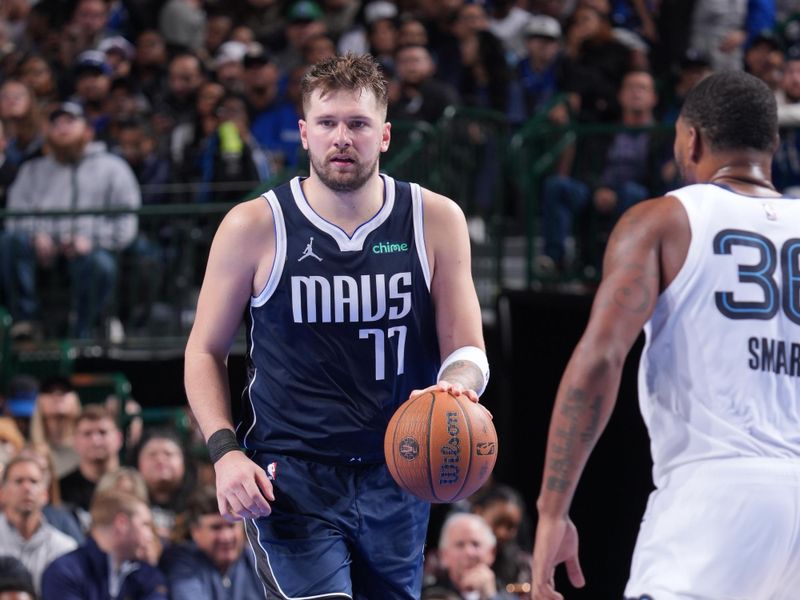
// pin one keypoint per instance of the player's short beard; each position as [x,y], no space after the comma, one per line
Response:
[346,182]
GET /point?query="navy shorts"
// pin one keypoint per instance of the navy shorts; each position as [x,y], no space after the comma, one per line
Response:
[338,531]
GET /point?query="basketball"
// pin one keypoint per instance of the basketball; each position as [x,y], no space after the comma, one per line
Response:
[440,447]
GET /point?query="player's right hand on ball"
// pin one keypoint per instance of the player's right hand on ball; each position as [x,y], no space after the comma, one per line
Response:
[243,489]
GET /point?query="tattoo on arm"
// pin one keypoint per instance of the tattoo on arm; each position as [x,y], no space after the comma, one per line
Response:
[634,293]
[575,410]
[467,373]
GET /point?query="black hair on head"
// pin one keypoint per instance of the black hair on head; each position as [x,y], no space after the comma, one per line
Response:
[734,111]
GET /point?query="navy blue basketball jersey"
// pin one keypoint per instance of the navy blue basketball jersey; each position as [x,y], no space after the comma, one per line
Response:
[342,332]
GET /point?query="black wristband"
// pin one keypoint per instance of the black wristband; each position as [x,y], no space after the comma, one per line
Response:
[220,443]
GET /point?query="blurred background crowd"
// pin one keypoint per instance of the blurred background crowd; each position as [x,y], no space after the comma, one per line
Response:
[123,120]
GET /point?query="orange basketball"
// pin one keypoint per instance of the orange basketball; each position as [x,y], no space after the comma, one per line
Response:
[439,447]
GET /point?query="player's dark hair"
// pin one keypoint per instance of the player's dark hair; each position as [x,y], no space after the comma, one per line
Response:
[734,111]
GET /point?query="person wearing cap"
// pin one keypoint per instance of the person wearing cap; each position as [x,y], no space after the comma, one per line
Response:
[16,582]
[788,94]
[76,175]
[538,69]
[764,58]
[229,66]
[356,39]
[119,54]
[304,19]
[92,85]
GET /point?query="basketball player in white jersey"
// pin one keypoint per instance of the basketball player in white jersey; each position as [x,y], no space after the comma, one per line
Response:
[712,273]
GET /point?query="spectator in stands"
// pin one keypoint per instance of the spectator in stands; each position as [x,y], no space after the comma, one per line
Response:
[261,92]
[475,63]
[54,512]
[35,72]
[119,54]
[318,48]
[304,19]
[189,140]
[537,72]
[53,424]
[503,508]
[631,172]
[693,68]
[218,30]
[92,85]
[11,440]
[229,67]
[98,441]
[412,32]
[137,144]
[418,96]
[20,116]
[184,81]
[381,33]
[788,94]
[213,565]
[107,565]
[466,552]
[276,133]
[148,65]
[8,170]
[161,460]
[232,162]
[91,17]
[595,63]
[339,15]
[183,24]
[24,532]
[16,582]
[786,164]
[764,58]
[76,175]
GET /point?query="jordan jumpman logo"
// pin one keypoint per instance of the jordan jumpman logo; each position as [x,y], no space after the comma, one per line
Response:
[309,251]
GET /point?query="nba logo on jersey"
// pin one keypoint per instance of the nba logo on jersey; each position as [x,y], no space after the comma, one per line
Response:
[272,471]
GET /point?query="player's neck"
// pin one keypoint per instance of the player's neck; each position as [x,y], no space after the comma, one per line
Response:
[746,177]
[347,210]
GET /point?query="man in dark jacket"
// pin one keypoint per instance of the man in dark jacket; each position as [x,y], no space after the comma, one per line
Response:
[106,567]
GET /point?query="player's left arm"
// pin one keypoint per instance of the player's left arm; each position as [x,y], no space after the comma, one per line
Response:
[588,389]
[458,313]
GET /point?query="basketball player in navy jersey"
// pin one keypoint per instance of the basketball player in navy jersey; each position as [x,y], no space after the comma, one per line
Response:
[357,291]
[712,273]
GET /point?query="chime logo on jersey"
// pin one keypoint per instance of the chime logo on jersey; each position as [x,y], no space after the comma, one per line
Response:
[389,247]
[346,299]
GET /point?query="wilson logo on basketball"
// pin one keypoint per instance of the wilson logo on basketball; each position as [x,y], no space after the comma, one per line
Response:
[409,448]
[451,452]
[485,448]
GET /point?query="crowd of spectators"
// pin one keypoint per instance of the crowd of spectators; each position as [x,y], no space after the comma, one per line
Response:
[94,506]
[106,105]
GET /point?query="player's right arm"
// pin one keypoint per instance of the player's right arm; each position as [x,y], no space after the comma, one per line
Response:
[643,252]
[239,261]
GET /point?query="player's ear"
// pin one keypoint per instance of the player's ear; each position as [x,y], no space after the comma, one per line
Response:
[696,144]
[301,123]
[386,136]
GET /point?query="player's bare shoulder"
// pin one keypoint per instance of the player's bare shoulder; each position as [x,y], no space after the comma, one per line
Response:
[446,235]
[245,240]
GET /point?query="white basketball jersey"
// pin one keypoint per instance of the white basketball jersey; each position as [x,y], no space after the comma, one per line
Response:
[720,372]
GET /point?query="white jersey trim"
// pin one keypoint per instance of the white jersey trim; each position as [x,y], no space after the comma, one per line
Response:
[280,252]
[693,254]
[354,243]
[419,232]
